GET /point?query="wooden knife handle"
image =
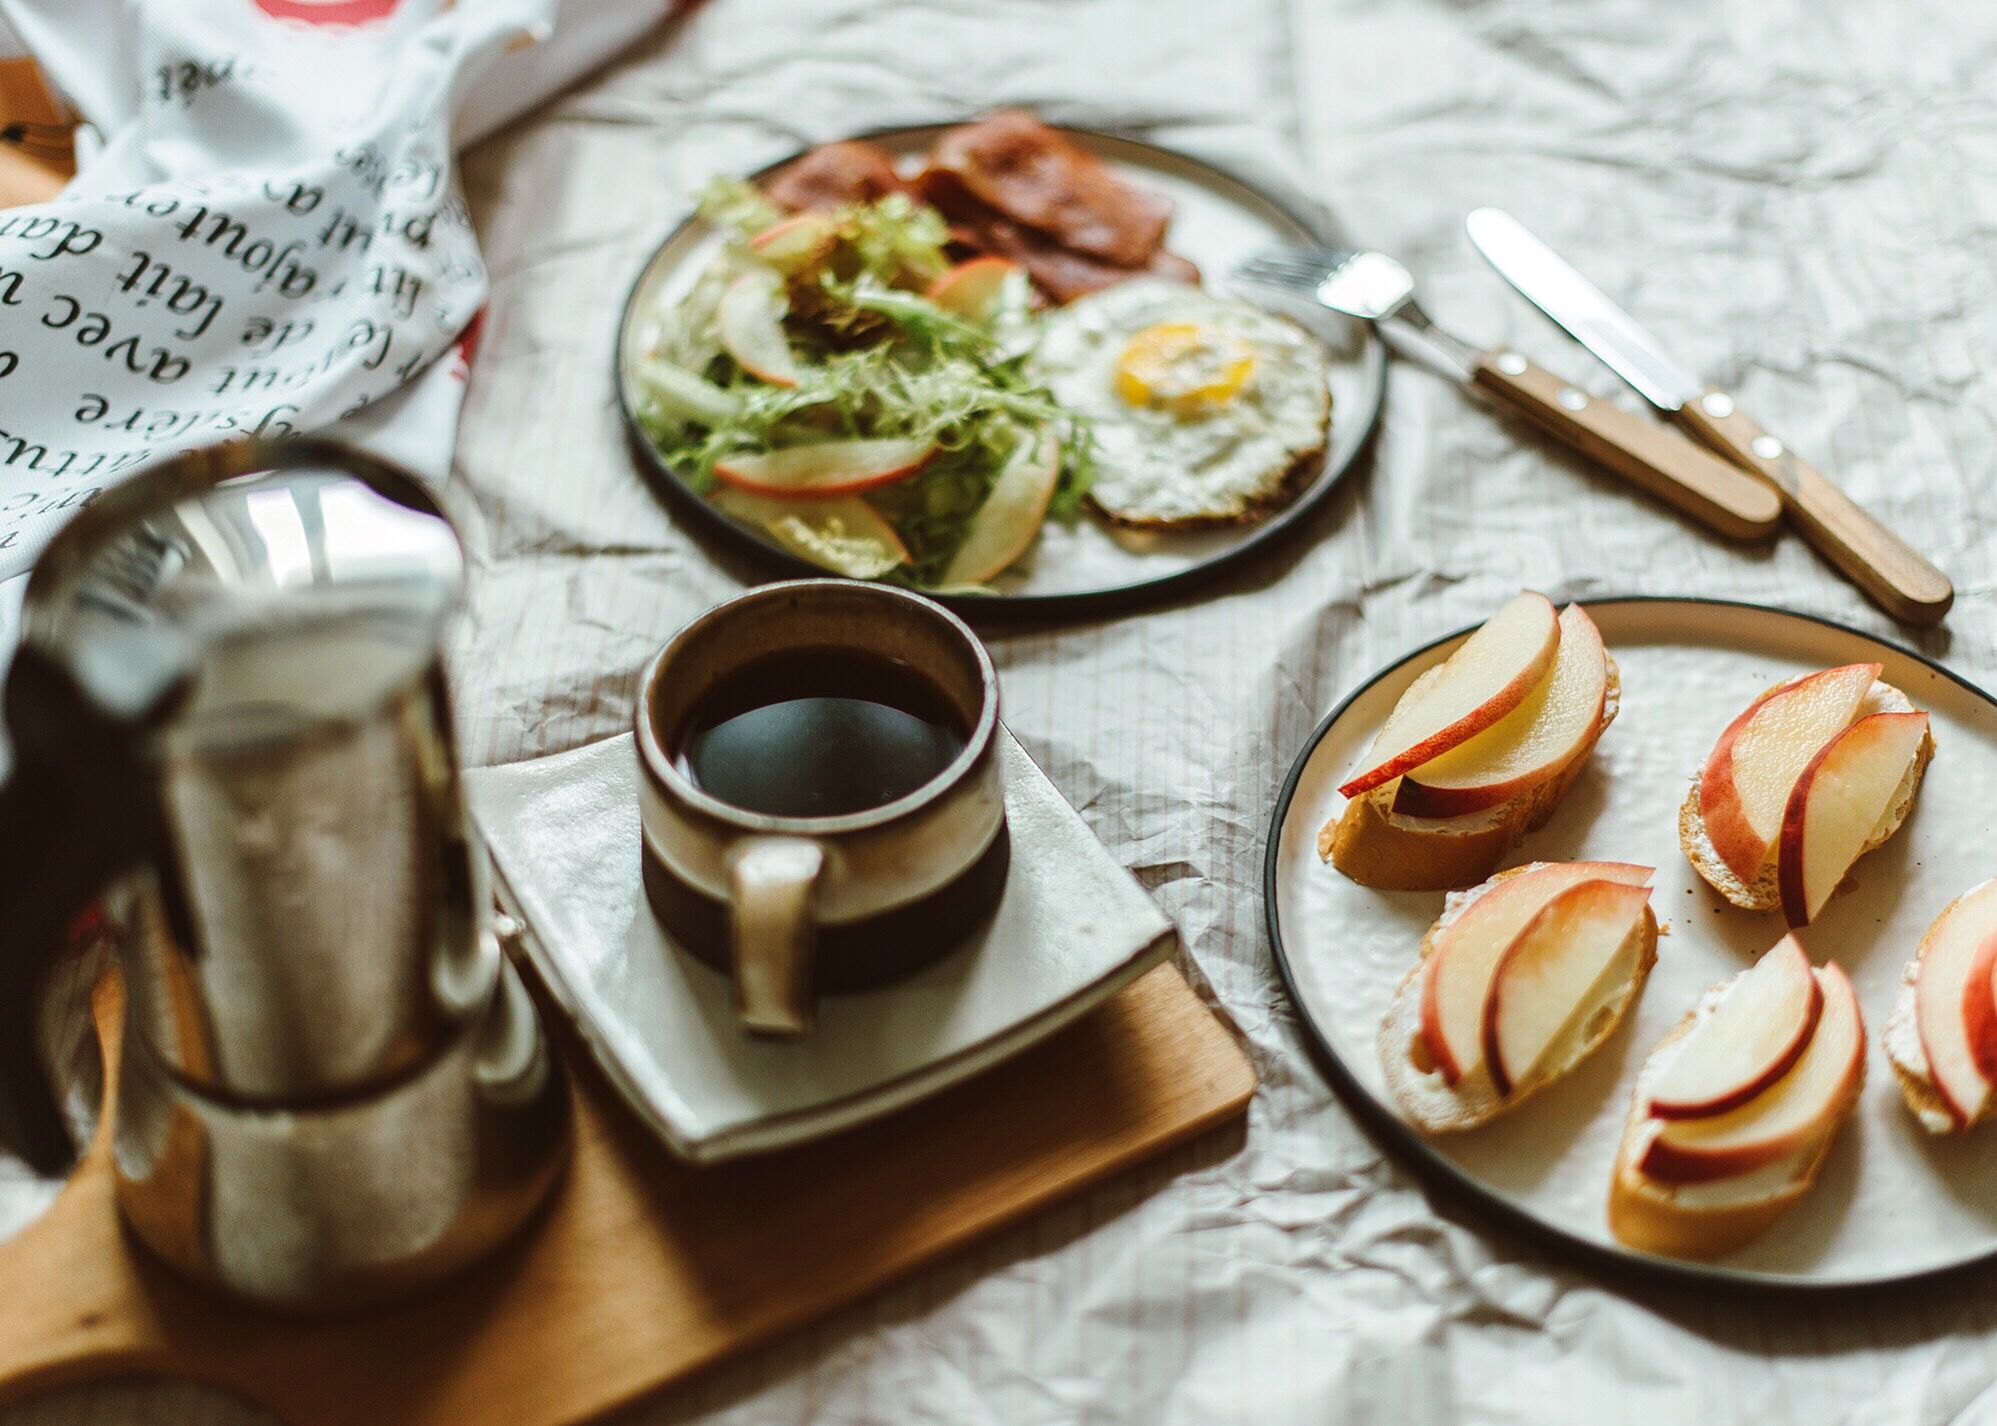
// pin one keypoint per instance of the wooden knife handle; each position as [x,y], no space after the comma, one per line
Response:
[1896,576]
[1647,454]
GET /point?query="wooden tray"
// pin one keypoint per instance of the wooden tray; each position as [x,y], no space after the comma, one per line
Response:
[644,1270]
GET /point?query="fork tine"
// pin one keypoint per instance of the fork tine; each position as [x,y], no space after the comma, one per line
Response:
[1284,269]
[1290,269]
[1269,262]
[1282,276]
[1317,255]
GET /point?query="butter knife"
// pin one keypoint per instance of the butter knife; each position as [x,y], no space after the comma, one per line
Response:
[1889,570]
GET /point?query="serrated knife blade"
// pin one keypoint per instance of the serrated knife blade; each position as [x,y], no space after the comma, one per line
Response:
[1552,285]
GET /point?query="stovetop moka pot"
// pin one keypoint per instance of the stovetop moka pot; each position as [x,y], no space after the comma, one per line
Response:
[228,717]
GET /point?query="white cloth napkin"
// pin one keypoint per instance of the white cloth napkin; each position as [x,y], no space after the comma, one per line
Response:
[265,234]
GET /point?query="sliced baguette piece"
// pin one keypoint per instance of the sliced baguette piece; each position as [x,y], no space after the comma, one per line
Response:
[1764,892]
[1909,1059]
[1417,1083]
[1390,851]
[1908,1054]
[1706,1220]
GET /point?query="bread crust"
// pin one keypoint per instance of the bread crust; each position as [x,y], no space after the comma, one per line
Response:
[1764,893]
[1377,847]
[1647,1215]
[1476,1102]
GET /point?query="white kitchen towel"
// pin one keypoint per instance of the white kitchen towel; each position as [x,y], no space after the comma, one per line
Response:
[265,234]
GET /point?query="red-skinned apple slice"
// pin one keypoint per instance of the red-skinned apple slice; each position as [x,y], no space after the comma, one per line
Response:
[1011,515]
[843,534]
[1953,1002]
[1481,682]
[970,288]
[1979,1008]
[795,243]
[825,467]
[1747,1041]
[1552,968]
[1528,745]
[751,318]
[1456,975]
[1746,784]
[1837,801]
[1784,1118]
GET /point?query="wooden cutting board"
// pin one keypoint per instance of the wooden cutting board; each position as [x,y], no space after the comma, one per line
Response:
[644,1269]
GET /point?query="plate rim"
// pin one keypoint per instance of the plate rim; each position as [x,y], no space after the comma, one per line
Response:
[1438,1175]
[665,481]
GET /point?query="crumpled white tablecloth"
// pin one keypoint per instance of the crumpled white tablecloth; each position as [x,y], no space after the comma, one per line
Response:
[1799,195]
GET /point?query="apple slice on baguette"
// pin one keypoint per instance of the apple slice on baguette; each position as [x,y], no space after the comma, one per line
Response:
[1483,680]
[1760,761]
[1520,980]
[1378,842]
[1750,1040]
[1941,1037]
[1530,744]
[1571,955]
[1703,1187]
[1837,802]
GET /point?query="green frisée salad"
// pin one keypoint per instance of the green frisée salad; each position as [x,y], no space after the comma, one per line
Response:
[834,379]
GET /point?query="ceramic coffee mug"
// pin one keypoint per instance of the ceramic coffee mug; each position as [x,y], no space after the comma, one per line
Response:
[796,905]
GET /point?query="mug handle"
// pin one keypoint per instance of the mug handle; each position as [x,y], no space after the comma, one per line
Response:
[772,881]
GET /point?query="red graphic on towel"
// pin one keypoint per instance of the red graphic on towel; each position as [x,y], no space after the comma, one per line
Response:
[467,347]
[329,12]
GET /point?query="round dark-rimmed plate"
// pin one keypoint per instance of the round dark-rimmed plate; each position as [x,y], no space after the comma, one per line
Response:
[1893,1204]
[1084,567]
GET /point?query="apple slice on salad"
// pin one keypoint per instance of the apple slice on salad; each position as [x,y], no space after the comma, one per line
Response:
[751,318]
[843,533]
[824,468]
[797,243]
[971,289]
[1012,513]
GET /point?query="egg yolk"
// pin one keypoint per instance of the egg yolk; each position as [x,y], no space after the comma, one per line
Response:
[1183,366]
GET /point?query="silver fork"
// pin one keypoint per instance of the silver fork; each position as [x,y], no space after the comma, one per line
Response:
[1375,288]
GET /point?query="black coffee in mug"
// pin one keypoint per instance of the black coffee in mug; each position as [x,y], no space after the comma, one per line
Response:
[819,732]
[822,791]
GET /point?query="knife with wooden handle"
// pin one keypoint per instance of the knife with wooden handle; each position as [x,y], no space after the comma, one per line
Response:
[1890,571]
[1654,458]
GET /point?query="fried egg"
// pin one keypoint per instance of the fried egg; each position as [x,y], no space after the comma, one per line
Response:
[1203,408]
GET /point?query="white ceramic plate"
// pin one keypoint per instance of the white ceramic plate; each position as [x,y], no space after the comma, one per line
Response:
[1071,929]
[1085,565]
[1893,1202]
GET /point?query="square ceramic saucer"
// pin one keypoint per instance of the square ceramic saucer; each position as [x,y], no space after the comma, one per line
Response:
[1072,928]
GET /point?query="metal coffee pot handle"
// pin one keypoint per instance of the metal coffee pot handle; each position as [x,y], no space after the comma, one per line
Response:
[75,811]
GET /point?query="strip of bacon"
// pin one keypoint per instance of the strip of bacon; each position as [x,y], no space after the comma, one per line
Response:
[1038,178]
[1061,273]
